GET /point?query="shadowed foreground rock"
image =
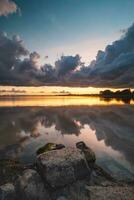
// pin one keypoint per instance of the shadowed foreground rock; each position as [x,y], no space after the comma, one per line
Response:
[111,193]
[7,192]
[30,186]
[62,167]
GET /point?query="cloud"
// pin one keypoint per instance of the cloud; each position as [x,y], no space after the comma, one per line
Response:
[48,74]
[11,49]
[7,7]
[58,73]
[34,57]
[113,67]
[19,67]
[67,64]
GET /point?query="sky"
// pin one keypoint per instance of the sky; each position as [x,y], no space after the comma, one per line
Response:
[68,26]
[62,30]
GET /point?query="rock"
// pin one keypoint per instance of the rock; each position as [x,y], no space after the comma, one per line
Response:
[30,186]
[74,191]
[7,192]
[61,198]
[111,192]
[49,147]
[89,154]
[9,170]
[101,172]
[61,167]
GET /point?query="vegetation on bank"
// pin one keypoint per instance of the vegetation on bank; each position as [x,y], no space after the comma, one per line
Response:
[118,94]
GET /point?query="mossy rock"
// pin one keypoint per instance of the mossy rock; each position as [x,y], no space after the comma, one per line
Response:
[89,154]
[49,147]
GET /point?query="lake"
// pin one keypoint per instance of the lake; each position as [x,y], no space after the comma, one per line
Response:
[107,126]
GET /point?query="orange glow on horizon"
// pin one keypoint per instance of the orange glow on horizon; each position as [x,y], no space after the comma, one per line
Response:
[50,90]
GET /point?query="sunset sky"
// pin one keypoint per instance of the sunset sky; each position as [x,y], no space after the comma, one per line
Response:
[68,26]
[49,42]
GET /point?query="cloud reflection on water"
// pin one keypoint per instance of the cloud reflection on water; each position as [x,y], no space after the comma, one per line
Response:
[107,129]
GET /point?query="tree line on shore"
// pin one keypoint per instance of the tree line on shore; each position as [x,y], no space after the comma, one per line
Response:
[126,93]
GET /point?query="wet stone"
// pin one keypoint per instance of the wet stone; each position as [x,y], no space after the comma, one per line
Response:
[61,167]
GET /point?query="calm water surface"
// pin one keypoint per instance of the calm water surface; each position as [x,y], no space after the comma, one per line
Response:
[106,126]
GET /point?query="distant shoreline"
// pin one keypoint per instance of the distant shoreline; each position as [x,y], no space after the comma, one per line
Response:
[72,95]
[58,95]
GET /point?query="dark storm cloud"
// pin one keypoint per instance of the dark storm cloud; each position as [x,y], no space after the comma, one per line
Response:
[28,71]
[10,51]
[19,67]
[28,64]
[48,73]
[7,7]
[113,67]
[67,64]
[13,69]
[56,74]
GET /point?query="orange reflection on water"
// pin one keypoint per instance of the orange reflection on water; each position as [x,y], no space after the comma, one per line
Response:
[56,101]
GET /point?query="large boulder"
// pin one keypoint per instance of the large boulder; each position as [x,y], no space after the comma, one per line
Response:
[59,168]
[7,192]
[30,186]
